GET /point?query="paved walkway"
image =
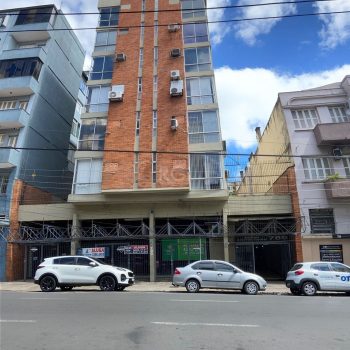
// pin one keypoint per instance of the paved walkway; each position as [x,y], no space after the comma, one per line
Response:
[272,288]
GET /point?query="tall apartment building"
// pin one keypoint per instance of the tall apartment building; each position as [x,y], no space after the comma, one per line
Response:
[152,115]
[40,73]
[310,131]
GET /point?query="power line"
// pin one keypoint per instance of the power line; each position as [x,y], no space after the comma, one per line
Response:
[176,10]
[182,24]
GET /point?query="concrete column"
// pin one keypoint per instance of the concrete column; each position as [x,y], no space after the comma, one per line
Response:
[75,243]
[226,239]
[152,248]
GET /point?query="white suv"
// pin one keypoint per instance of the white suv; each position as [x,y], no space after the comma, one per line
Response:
[67,272]
[309,277]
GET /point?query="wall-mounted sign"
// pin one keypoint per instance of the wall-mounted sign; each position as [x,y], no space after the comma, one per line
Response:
[184,249]
[133,249]
[97,252]
[331,252]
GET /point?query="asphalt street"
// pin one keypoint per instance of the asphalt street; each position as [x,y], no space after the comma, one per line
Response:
[156,321]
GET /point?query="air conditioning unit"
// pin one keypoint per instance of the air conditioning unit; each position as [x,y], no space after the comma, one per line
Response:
[120,57]
[174,27]
[174,124]
[175,52]
[337,153]
[117,93]
[177,88]
[175,75]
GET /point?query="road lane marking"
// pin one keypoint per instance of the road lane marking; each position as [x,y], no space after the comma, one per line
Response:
[206,324]
[18,321]
[206,301]
[42,299]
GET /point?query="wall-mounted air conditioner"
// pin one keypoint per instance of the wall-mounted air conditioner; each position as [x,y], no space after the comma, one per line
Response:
[337,153]
[175,75]
[174,27]
[176,88]
[174,124]
[117,93]
[175,52]
[120,57]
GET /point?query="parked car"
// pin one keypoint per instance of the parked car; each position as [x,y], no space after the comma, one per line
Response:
[309,277]
[217,274]
[67,272]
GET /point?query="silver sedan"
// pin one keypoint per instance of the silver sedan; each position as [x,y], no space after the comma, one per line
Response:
[217,274]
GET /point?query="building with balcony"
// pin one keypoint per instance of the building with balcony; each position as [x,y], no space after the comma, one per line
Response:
[40,72]
[309,131]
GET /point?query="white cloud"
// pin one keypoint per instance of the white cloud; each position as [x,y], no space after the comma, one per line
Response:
[247,96]
[249,31]
[336,28]
[217,30]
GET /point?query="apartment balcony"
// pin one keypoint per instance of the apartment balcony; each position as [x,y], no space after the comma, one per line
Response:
[339,188]
[9,158]
[332,134]
[32,32]
[13,118]
[18,86]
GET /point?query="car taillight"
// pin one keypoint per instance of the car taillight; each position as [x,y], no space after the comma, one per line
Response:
[177,272]
[299,272]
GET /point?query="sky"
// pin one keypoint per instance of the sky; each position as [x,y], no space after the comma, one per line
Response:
[254,60]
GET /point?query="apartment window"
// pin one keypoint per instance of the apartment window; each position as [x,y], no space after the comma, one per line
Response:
[102,68]
[98,99]
[190,8]
[83,87]
[136,167]
[23,105]
[142,33]
[155,56]
[155,83]
[338,114]
[20,68]
[4,180]
[154,167]
[12,140]
[322,220]
[31,45]
[200,91]
[203,127]
[156,29]
[305,119]
[316,168]
[195,33]
[88,177]
[35,15]
[4,105]
[141,58]
[106,40]
[139,88]
[109,16]
[2,138]
[197,59]
[138,122]
[92,134]
[206,172]
[155,123]
[75,128]
[2,20]
[346,162]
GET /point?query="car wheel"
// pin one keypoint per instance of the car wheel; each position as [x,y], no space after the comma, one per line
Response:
[295,291]
[251,288]
[48,284]
[66,288]
[107,283]
[192,286]
[309,288]
[119,288]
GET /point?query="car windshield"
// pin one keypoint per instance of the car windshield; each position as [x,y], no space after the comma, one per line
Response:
[99,261]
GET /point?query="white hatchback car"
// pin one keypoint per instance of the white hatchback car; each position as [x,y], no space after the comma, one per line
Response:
[67,272]
[309,277]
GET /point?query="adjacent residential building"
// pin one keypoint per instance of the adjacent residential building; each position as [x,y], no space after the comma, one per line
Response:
[40,72]
[309,131]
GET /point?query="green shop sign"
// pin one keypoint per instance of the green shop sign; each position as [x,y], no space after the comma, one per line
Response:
[184,249]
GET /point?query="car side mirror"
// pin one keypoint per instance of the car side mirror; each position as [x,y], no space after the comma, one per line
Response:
[92,264]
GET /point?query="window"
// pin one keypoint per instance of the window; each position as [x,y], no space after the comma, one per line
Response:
[316,168]
[2,20]
[102,68]
[338,114]
[322,220]
[155,56]
[4,105]
[97,100]
[4,180]
[20,68]
[83,261]
[30,45]
[154,167]
[12,140]
[138,122]
[195,33]
[141,58]
[204,265]
[200,91]
[88,176]
[139,88]
[197,59]
[340,268]
[155,83]
[35,15]
[189,8]
[75,128]
[203,127]
[136,168]
[156,29]
[92,134]
[320,267]
[346,162]
[155,123]
[206,172]
[305,119]
[109,16]
[83,87]
[23,105]
[223,267]
[106,40]
[69,260]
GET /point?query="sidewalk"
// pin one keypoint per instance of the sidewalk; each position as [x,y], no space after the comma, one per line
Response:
[272,287]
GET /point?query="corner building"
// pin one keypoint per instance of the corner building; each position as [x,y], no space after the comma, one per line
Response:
[149,180]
